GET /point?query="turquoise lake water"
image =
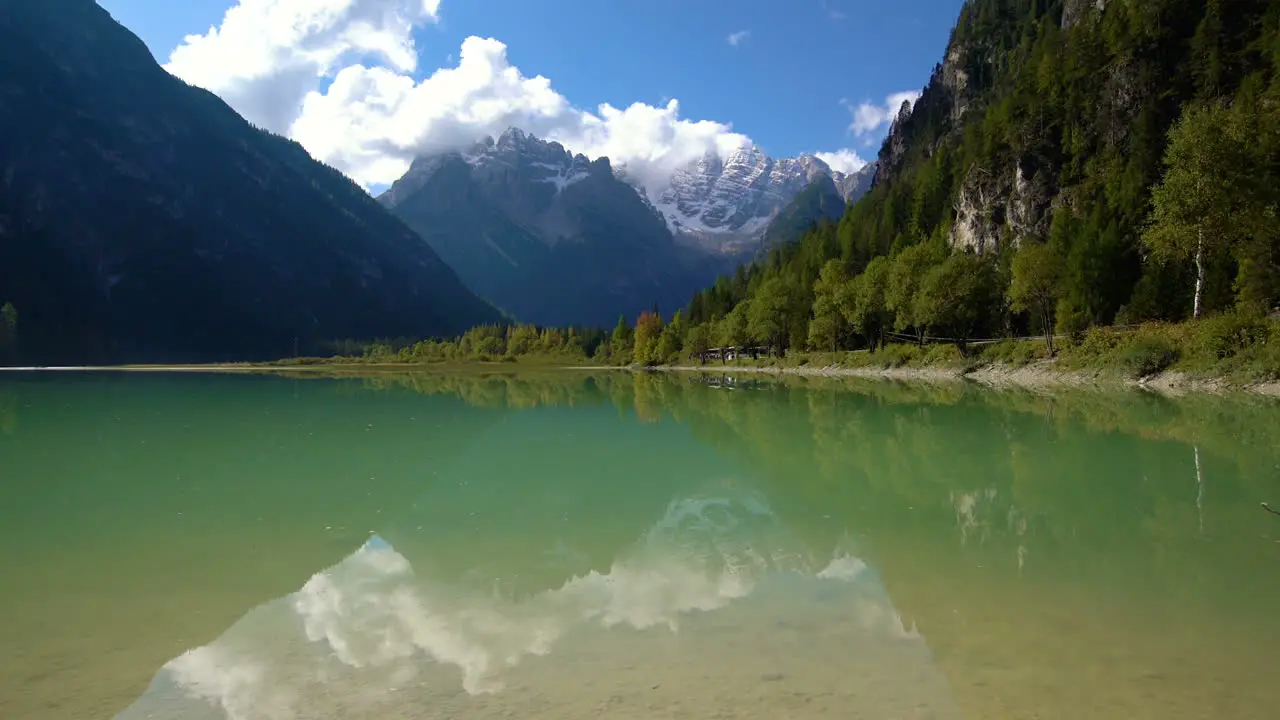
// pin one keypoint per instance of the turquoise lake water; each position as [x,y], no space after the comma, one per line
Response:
[564,545]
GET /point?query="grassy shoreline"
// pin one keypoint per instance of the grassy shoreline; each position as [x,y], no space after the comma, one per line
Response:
[1223,354]
[1220,354]
[1042,374]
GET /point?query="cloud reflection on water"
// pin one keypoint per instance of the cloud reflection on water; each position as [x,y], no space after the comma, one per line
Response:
[357,634]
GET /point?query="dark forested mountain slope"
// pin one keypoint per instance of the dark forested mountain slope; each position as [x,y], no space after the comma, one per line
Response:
[548,236]
[1132,149]
[141,219]
[820,201]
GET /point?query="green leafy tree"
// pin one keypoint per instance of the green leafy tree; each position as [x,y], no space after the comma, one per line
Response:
[1036,275]
[573,344]
[905,276]
[484,341]
[551,340]
[829,292]
[866,307]
[698,340]
[673,337]
[1197,211]
[955,296]
[601,354]
[732,331]
[774,313]
[521,340]
[1257,280]
[489,346]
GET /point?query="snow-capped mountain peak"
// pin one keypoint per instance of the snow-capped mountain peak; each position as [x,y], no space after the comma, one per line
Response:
[721,204]
[535,159]
[726,203]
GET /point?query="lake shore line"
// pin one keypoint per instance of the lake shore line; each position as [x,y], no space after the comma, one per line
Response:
[1041,375]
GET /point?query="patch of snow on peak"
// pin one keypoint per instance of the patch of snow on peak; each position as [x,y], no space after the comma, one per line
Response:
[562,177]
[737,195]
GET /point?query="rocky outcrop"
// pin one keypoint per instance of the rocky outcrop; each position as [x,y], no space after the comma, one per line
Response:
[995,209]
[854,185]
[1074,11]
[1009,197]
[956,81]
[980,211]
[1029,204]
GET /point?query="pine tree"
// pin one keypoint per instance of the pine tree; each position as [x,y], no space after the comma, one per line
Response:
[620,342]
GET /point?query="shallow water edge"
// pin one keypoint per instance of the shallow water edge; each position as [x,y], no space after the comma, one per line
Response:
[1035,376]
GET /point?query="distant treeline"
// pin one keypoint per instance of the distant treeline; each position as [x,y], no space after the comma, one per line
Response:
[650,342]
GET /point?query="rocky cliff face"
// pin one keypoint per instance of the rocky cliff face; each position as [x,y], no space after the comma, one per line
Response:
[854,185]
[1001,199]
[1073,11]
[141,219]
[519,175]
[548,236]
[725,206]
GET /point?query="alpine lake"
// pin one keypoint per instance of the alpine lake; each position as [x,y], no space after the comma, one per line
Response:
[571,544]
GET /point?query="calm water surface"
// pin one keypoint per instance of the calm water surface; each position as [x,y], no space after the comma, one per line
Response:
[565,546]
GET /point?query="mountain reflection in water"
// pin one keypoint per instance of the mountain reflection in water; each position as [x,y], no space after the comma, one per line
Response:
[371,635]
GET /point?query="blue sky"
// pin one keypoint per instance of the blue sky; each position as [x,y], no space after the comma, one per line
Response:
[792,81]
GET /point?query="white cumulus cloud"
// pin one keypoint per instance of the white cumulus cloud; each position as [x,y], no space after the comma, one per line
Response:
[341,77]
[267,54]
[372,121]
[737,38]
[844,160]
[869,117]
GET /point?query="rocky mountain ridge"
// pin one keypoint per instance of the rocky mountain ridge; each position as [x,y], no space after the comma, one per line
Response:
[723,206]
[551,237]
[143,220]
[726,205]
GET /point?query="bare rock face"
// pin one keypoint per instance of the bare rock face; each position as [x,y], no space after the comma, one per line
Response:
[1028,205]
[980,209]
[1073,11]
[956,81]
[1002,208]
[895,144]
[854,185]
[726,205]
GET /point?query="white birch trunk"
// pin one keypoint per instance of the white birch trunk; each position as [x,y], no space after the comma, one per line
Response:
[1199,491]
[1195,311]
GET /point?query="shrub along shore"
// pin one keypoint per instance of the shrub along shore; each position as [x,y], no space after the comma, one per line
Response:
[1216,353]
